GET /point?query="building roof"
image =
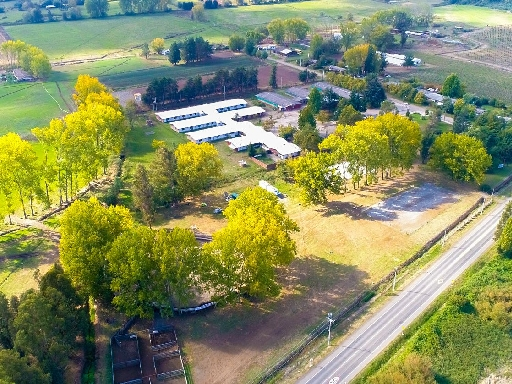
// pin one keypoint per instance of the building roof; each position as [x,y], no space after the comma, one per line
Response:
[301,93]
[251,134]
[243,112]
[214,131]
[432,95]
[341,92]
[278,100]
[182,124]
[223,104]
[200,109]
[164,115]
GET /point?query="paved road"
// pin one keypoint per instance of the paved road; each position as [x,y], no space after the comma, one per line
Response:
[347,360]
[402,106]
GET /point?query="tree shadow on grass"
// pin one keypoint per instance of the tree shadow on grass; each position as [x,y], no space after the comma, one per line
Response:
[333,208]
[312,287]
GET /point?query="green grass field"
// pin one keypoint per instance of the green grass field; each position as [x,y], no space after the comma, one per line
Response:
[24,106]
[63,40]
[472,15]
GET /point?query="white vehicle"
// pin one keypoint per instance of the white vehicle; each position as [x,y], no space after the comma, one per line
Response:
[165,52]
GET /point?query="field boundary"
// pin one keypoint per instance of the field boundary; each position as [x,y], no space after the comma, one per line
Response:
[364,297]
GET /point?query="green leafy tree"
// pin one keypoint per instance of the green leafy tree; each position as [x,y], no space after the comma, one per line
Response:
[505,239]
[495,303]
[6,319]
[374,93]
[273,77]
[198,12]
[174,54]
[277,29]
[287,132]
[452,87]
[315,100]
[316,176]
[198,166]
[381,37]
[164,178]
[20,370]
[87,233]
[404,139]
[96,8]
[349,116]
[307,138]
[42,326]
[143,195]
[157,45]
[295,29]
[464,158]
[349,32]
[306,117]
[507,213]
[256,240]
[236,43]
[315,47]
[130,111]
[20,175]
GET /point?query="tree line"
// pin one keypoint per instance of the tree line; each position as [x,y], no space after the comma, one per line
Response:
[27,57]
[108,257]
[41,330]
[364,150]
[166,90]
[76,148]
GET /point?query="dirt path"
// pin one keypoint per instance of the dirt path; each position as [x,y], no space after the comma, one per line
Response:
[4,36]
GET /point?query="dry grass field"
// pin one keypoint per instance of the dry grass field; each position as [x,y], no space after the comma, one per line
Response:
[341,251]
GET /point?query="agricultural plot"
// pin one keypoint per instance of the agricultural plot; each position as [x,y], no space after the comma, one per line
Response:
[24,106]
[479,79]
[495,46]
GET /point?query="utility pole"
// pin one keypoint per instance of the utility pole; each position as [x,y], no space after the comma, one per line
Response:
[330,320]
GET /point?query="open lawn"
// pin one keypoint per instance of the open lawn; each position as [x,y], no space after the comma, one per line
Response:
[472,16]
[24,106]
[21,253]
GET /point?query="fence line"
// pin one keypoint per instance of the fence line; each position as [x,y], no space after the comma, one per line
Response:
[343,313]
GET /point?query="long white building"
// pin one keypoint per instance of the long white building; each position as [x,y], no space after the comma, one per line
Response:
[222,121]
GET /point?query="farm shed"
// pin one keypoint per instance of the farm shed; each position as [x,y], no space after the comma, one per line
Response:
[299,93]
[278,101]
[341,92]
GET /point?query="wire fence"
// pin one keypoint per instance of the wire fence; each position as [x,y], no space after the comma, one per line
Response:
[343,313]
